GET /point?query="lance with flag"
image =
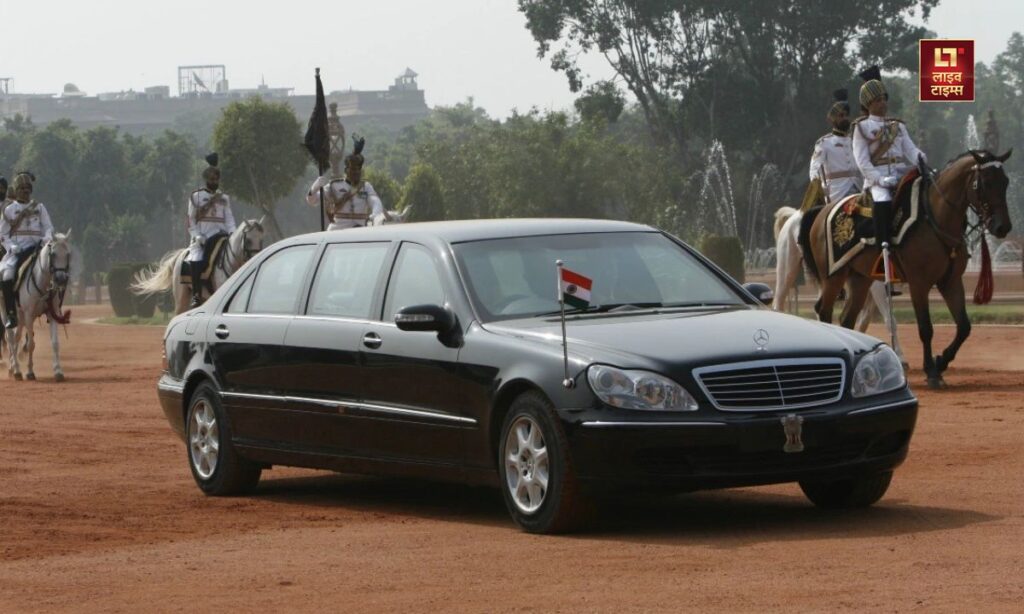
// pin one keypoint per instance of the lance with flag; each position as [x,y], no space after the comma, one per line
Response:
[318,138]
[573,289]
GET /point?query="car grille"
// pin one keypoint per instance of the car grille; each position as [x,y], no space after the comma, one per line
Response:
[773,384]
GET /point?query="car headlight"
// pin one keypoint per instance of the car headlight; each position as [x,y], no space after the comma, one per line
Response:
[638,390]
[878,371]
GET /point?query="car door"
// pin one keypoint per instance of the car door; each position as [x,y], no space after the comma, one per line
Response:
[246,339]
[411,390]
[321,355]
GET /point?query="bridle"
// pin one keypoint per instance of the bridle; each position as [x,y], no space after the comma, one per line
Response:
[231,260]
[977,204]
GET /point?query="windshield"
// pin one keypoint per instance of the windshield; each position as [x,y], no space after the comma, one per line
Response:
[517,277]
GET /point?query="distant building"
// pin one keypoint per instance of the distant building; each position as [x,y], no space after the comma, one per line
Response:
[204,89]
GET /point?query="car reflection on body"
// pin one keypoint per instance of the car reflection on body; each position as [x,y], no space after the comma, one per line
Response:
[435,350]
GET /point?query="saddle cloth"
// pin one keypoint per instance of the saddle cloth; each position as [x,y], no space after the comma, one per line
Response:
[849,228]
[212,251]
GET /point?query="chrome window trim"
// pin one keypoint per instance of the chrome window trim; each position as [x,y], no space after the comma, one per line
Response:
[341,405]
[770,362]
[256,315]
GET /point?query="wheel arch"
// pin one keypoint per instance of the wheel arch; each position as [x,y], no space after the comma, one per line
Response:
[506,395]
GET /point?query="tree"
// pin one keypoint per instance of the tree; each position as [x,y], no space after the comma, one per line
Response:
[52,154]
[601,100]
[422,192]
[166,179]
[260,153]
[389,190]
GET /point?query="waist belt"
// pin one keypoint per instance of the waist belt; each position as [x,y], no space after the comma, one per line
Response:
[887,161]
[841,174]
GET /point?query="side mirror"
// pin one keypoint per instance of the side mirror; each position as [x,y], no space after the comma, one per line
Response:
[762,292]
[425,318]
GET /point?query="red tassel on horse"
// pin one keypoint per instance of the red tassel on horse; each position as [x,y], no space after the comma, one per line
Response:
[983,291]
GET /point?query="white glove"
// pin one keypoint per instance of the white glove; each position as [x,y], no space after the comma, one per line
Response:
[15,249]
[889,182]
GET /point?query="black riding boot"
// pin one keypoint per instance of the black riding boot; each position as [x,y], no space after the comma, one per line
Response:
[10,304]
[196,268]
[881,213]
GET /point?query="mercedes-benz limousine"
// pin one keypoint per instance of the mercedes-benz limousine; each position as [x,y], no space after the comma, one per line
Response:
[436,350]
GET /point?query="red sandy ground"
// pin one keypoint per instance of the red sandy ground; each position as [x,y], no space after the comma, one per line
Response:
[98,512]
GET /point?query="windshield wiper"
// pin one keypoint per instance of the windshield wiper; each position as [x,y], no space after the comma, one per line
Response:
[605,308]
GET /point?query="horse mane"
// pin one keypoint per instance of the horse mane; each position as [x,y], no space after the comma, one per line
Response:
[985,154]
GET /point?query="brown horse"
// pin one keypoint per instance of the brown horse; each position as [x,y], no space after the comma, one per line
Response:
[932,254]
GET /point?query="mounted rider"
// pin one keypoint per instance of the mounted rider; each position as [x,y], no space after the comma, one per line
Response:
[350,202]
[832,162]
[209,215]
[24,226]
[883,150]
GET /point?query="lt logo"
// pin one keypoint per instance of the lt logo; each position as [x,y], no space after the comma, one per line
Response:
[945,57]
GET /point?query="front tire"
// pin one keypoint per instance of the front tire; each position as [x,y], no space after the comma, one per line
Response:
[538,482]
[216,467]
[851,493]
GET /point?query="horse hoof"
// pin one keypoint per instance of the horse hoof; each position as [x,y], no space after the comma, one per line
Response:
[17,377]
[30,377]
[58,377]
[936,383]
[905,365]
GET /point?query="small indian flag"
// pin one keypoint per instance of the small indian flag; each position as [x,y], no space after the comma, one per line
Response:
[575,289]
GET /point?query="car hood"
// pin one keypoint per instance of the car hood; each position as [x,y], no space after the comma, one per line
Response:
[667,340]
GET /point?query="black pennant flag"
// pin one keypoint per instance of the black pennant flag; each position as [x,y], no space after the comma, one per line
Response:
[318,139]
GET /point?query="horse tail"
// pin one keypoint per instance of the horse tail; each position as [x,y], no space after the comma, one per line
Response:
[152,281]
[783,214]
[804,240]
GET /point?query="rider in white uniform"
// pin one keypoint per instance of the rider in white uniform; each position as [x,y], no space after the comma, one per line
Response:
[350,202]
[832,161]
[24,224]
[209,214]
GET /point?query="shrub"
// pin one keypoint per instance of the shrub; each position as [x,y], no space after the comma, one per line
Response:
[122,299]
[726,252]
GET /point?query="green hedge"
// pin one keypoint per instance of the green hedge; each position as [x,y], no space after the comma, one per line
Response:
[125,303]
[727,253]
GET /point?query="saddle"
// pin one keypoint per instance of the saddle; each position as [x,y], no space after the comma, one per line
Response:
[26,260]
[850,228]
[213,250]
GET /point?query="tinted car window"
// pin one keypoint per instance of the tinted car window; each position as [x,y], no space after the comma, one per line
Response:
[512,278]
[279,281]
[346,278]
[241,298]
[415,281]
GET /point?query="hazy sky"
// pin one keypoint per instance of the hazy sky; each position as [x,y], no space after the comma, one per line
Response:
[460,48]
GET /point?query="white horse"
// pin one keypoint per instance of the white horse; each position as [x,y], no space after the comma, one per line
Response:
[788,259]
[40,294]
[244,243]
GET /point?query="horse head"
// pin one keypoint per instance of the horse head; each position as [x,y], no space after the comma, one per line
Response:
[390,217]
[57,253]
[986,191]
[251,232]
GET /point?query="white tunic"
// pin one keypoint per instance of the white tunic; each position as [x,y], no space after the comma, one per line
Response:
[833,161]
[355,212]
[203,224]
[35,228]
[868,138]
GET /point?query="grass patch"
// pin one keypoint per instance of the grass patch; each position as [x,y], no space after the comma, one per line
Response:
[160,319]
[979,314]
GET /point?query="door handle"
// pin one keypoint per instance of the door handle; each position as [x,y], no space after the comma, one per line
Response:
[372,340]
[222,332]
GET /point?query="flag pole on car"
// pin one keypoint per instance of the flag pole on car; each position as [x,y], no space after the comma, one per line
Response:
[574,289]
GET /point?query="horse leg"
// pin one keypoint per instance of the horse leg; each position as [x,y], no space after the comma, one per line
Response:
[13,335]
[880,303]
[787,267]
[953,293]
[827,299]
[58,372]
[919,297]
[30,346]
[855,301]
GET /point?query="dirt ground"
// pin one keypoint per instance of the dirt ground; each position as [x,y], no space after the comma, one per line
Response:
[98,511]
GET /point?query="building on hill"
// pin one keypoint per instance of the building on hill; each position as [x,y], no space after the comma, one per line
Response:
[205,89]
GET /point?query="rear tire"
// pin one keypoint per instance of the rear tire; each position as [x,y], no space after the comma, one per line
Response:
[216,467]
[850,493]
[538,481]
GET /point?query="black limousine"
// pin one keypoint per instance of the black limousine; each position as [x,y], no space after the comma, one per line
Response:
[436,350]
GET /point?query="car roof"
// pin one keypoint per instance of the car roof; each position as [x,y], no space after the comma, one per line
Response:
[477,230]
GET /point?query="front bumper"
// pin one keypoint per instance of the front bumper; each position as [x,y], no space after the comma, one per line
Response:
[717,451]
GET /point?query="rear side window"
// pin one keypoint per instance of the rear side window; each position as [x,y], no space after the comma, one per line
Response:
[279,281]
[346,279]
[241,298]
[415,281]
